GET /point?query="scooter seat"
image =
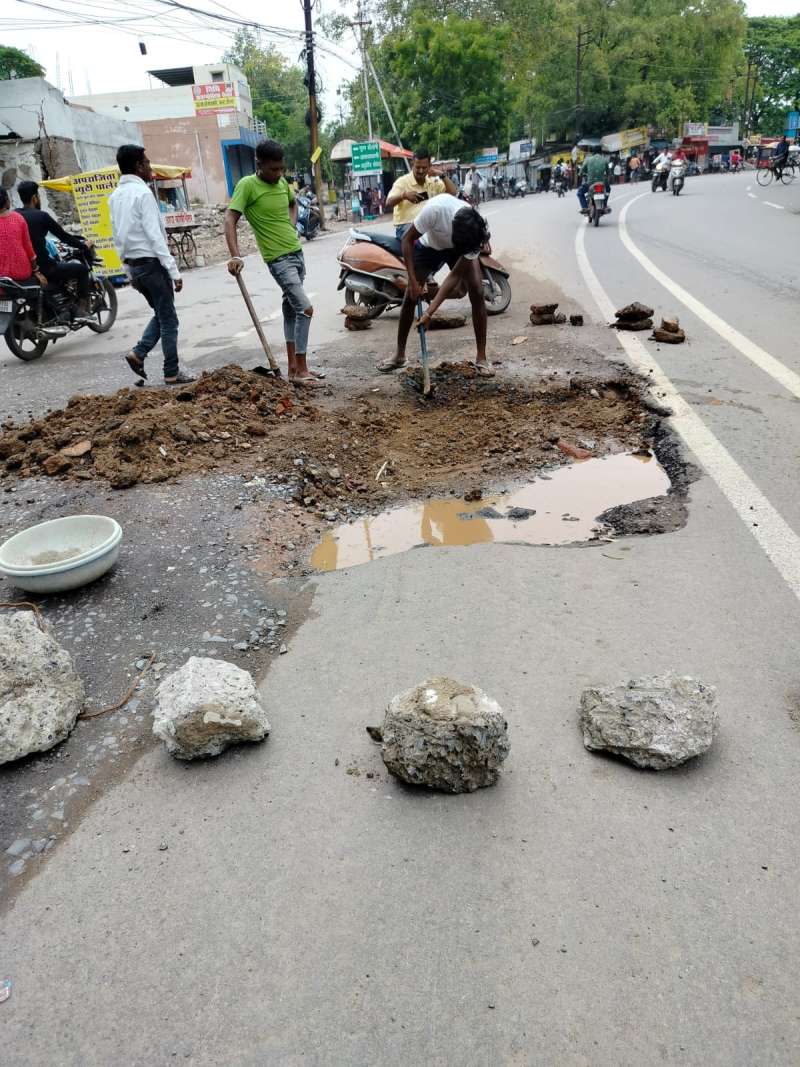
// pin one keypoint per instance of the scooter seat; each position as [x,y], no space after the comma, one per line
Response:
[382,240]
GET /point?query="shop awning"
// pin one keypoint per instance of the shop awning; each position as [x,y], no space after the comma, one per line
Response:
[160,170]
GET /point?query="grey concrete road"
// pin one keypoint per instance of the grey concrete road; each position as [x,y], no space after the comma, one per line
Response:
[580,912]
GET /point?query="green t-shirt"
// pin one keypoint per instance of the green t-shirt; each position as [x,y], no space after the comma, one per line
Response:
[266,208]
[596,168]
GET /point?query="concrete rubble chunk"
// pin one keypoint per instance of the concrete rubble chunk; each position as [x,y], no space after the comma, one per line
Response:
[445,735]
[656,722]
[41,693]
[205,706]
[634,312]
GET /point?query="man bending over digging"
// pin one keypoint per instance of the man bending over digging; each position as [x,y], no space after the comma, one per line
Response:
[268,203]
[446,231]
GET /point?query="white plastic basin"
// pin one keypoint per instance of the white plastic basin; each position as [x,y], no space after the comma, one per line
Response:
[61,554]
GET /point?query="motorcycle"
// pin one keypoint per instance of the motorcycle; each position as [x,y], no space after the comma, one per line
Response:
[308,218]
[660,175]
[374,275]
[558,185]
[502,189]
[32,317]
[677,176]
[598,203]
[517,187]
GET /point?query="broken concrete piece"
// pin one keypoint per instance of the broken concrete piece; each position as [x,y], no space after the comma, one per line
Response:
[357,324]
[668,337]
[445,735]
[355,311]
[671,325]
[446,320]
[576,320]
[542,320]
[205,706]
[41,694]
[543,309]
[559,319]
[633,312]
[633,324]
[656,722]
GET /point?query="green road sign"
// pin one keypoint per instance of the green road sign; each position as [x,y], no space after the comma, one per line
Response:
[366,157]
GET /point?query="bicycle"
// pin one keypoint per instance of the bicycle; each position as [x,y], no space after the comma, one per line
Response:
[778,171]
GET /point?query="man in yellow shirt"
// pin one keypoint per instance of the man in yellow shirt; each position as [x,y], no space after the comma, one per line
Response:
[409,193]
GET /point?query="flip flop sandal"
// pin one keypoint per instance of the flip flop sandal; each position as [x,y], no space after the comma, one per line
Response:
[136,364]
[320,375]
[390,365]
[306,383]
[483,371]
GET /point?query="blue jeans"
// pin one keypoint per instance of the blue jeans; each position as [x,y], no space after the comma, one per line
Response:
[289,272]
[400,230]
[155,285]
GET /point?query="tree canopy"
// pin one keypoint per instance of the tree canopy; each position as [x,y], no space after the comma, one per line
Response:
[280,96]
[773,48]
[14,63]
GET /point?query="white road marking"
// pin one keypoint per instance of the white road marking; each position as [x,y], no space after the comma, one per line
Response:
[777,539]
[757,355]
[752,196]
[778,207]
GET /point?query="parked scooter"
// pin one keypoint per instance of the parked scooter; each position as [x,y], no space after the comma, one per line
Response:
[517,187]
[308,219]
[597,195]
[677,175]
[32,317]
[374,275]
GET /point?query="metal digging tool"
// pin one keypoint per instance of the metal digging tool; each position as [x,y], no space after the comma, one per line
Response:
[274,370]
[423,344]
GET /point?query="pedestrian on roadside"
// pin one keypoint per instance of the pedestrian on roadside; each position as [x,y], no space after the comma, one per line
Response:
[635,164]
[617,171]
[268,203]
[409,193]
[140,239]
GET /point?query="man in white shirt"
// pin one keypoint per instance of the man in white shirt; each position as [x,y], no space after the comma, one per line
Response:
[141,241]
[446,231]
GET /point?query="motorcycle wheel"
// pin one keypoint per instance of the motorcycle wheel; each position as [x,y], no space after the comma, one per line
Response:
[502,288]
[596,219]
[21,343]
[352,297]
[104,305]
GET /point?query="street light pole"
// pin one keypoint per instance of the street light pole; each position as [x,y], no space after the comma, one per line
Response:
[313,123]
[361,22]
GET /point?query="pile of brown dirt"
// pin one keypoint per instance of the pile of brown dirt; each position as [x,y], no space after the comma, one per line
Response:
[150,435]
[473,431]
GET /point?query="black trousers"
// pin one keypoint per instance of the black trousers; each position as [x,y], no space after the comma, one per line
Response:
[59,273]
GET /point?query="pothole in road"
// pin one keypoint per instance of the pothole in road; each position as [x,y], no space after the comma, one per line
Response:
[559,508]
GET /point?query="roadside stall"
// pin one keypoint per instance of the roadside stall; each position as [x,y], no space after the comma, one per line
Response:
[91,191]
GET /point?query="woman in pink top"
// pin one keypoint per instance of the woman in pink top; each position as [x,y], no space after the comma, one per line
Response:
[17,257]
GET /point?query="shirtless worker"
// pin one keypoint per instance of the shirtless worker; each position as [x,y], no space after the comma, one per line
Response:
[409,193]
[445,231]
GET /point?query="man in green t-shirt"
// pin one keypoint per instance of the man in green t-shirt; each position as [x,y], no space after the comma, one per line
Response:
[268,203]
[594,169]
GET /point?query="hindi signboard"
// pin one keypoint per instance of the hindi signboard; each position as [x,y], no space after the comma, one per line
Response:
[487,155]
[366,158]
[214,98]
[91,191]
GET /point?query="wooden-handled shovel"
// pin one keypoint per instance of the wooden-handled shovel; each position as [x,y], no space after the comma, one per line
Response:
[274,369]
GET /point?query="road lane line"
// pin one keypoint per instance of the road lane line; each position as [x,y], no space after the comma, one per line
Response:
[752,196]
[757,355]
[777,539]
[778,207]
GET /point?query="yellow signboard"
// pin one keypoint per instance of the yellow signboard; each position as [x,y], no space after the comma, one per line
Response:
[316,154]
[91,192]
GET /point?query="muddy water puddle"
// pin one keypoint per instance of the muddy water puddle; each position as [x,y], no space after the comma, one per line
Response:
[558,508]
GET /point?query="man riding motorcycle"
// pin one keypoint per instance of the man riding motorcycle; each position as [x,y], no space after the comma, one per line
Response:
[593,170]
[40,223]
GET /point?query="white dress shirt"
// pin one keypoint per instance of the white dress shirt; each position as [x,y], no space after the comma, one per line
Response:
[137,225]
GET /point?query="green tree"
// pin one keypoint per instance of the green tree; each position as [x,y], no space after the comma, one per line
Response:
[17,64]
[280,96]
[446,83]
[773,49]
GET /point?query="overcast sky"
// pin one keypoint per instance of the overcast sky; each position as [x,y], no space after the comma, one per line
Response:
[100,59]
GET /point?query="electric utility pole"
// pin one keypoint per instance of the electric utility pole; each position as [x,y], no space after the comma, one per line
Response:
[313,120]
[361,23]
[583,39]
